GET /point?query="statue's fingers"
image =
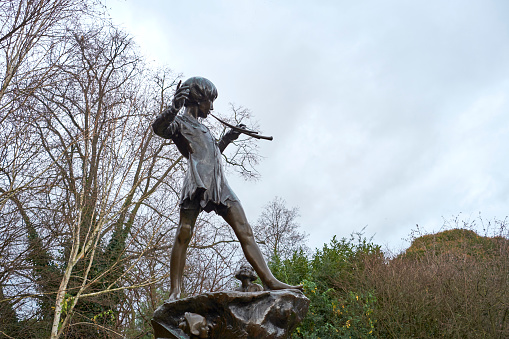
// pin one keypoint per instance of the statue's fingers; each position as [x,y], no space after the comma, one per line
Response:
[182,89]
[182,95]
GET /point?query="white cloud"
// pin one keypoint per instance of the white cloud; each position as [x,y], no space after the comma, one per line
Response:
[386,114]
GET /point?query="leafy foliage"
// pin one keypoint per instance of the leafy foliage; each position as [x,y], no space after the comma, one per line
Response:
[452,284]
[340,307]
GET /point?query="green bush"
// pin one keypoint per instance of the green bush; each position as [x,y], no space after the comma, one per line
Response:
[340,307]
[453,284]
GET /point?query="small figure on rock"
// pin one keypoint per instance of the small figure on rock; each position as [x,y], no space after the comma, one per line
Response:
[247,275]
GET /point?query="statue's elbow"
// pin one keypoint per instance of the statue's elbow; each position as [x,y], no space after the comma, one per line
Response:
[156,128]
[221,147]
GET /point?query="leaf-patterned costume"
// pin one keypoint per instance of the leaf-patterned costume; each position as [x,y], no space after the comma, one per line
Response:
[205,185]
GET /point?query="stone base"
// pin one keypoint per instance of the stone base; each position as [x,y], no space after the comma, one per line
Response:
[231,315]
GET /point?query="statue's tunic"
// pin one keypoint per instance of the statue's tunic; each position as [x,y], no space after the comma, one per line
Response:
[204,185]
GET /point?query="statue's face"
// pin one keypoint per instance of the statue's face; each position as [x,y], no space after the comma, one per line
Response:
[245,273]
[204,107]
[245,270]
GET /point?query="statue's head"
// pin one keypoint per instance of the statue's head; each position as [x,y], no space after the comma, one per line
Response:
[200,90]
[246,272]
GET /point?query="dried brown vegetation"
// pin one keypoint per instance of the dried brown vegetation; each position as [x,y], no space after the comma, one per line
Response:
[453,284]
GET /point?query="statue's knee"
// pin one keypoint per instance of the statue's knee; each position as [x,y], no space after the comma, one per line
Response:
[185,232]
[245,232]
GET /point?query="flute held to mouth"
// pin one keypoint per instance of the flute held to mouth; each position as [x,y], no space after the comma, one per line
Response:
[253,134]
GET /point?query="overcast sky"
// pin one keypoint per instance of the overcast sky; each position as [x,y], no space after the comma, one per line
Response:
[385,114]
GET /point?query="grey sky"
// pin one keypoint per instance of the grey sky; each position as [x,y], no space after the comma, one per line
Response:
[384,113]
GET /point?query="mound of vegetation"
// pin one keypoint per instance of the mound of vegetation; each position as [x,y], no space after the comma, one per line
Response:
[453,284]
[457,243]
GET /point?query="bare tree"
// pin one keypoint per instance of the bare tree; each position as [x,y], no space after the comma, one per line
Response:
[108,170]
[243,158]
[277,230]
[30,31]
[88,198]
[89,134]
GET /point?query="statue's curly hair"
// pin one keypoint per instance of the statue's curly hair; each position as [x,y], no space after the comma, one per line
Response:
[200,89]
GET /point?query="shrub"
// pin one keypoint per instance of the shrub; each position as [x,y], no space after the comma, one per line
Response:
[453,284]
[340,307]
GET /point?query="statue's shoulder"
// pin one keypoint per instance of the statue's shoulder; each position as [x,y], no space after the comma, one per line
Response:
[187,120]
[191,124]
[181,122]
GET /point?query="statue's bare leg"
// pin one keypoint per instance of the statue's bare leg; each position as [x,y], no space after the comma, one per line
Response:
[179,250]
[236,218]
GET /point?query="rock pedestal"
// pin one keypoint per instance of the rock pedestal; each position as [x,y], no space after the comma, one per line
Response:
[231,315]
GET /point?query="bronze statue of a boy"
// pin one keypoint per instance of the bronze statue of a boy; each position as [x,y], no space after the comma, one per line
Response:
[205,187]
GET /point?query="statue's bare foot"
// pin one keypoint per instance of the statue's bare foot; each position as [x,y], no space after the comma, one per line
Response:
[278,285]
[174,295]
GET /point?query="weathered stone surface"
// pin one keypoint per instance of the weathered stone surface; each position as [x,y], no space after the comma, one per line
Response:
[233,315]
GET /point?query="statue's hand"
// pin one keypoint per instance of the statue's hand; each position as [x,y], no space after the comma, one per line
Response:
[180,97]
[235,134]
